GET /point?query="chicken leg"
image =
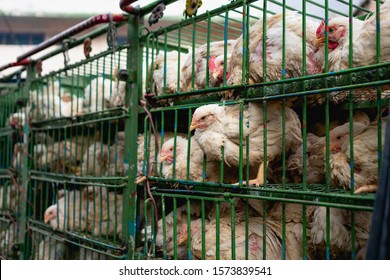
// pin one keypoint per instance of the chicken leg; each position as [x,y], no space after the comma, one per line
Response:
[75,169]
[259,180]
[366,189]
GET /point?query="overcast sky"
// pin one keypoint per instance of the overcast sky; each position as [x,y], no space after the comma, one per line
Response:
[91,7]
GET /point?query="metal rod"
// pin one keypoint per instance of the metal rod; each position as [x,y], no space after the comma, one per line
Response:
[17,63]
[126,6]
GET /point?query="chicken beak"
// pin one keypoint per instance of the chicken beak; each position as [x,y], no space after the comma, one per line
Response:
[46,218]
[182,239]
[319,41]
[216,74]
[334,148]
[66,98]
[193,125]
[163,158]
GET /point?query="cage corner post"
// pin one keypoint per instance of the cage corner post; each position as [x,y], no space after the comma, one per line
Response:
[23,238]
[134,83]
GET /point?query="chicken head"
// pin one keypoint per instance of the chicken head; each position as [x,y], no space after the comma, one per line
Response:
[203,117]
[216,66]
[337,32]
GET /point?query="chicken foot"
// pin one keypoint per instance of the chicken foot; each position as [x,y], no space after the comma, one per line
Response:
[366,189]
[259,180]
[75,169]
[140,179]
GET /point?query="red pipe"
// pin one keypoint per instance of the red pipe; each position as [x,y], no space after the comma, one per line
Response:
[13,64]
[125,6]
[72,31]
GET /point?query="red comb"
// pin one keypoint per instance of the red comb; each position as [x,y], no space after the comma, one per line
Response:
[212,63]
[319,29]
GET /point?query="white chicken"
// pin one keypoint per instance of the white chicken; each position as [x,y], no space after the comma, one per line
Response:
[164,77]
[64,156]
[148,155]
[340,223]
[17,163]
[201,62]
[8,237]
[315,150]
[254,249]
[166,229]
[195,160]
[118,94]
[50,249]
[8,197]
[315,172]
[364,40]
[95,160]
[54,101]
[365,158]
[17,119]
[274,47]
[103,93]
[116,166]
[104,211]
[219,126]
[68,213]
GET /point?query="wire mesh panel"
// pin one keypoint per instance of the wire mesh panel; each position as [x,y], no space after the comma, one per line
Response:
[252,131]
[12,99]
[77,169]
[274,105]
[238,227]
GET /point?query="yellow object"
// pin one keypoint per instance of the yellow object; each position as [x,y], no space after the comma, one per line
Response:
[192,7]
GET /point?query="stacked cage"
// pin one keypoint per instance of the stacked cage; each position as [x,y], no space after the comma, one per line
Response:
[252,131]
[12,192]
[267,123]
[77,173]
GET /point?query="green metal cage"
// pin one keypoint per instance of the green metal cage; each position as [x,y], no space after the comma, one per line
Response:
[12,99]
[192,142]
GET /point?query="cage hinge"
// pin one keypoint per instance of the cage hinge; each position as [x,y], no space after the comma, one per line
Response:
[18,247]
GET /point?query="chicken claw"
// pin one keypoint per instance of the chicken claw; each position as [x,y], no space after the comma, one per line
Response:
[366,189]
[228,94]
[75,169]
[140,180]
[256,182]
[259,180]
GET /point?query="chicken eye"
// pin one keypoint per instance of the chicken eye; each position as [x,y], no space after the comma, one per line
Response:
[338,137]
[171,149]
[203,118]
[331,29]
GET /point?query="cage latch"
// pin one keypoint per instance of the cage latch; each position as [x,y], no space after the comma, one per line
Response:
[111,34]
[38,67]
[65,51]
